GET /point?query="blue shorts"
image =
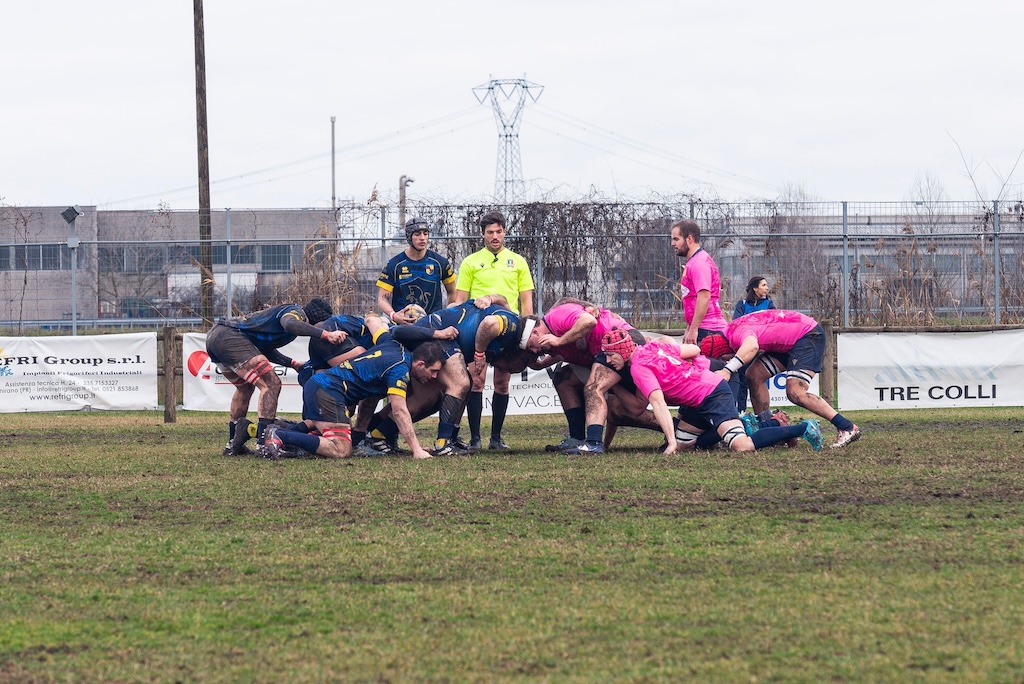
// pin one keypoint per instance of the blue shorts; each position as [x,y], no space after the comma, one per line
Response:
[807,352]
[322,406]
[717,408]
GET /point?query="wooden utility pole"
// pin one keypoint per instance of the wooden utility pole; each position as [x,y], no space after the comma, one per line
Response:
[205,233]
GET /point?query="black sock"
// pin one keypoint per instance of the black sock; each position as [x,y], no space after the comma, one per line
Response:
[474,409]
[358,436]
[499,406]
[595,433]
[231,430]
[577,418]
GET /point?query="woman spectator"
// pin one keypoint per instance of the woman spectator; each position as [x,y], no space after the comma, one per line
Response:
[756,299]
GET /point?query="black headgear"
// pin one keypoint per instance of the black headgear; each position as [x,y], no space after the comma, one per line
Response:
[414,225]
[317,310]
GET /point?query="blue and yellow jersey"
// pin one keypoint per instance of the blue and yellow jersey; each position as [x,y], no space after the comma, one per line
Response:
[467,318]
[382,369]
[417,281]
[320,351]
[264,328]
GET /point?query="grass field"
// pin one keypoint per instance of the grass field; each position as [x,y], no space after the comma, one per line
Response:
[133,551]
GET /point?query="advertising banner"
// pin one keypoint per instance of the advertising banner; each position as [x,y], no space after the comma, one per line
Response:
[205,389]
[109,372]
[930,370]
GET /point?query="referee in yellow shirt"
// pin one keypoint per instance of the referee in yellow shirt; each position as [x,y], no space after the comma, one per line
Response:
[493,270]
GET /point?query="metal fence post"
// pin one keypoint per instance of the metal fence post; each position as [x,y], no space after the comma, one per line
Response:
[227,238]
[538,282]
[383,238]
[995,254]
[846,265]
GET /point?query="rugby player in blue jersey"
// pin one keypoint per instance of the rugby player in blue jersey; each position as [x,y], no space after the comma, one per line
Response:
[416,275]
[484,328]
[386,369]
[244,347]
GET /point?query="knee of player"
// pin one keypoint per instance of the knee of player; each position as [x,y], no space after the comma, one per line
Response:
[796,393]
[335,447]
[742,444]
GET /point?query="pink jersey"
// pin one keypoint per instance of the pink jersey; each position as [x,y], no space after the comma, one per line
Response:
[776,330]
[560,320]
[686,382]
[701,273]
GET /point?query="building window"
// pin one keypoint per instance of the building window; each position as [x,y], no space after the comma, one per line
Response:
[275,258]
[243,254]
[110,259]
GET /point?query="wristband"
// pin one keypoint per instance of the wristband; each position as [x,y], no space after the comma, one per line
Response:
[324,335]
[392,316]
[479,354]
[734,364]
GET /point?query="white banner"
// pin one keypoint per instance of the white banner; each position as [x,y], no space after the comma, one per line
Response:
[109,372]
[930,370]
[205,389]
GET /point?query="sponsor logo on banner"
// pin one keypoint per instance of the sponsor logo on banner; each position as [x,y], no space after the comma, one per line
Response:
[930,370]
[106,372]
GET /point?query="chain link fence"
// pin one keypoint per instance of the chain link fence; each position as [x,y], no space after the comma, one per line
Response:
[863,264]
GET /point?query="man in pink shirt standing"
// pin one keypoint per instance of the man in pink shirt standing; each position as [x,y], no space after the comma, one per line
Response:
[700,284]
[780,341]
[667,373]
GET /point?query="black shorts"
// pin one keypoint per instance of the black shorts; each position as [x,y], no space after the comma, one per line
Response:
[322,406]
[807,353]
[229,348]
[717,408]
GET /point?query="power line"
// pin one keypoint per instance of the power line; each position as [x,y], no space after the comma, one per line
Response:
[323,155]
[648,148]
[626,157]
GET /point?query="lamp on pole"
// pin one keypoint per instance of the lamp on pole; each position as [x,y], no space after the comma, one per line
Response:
[70,215]
[403,183]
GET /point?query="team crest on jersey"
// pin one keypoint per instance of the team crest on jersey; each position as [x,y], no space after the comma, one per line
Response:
[430,269]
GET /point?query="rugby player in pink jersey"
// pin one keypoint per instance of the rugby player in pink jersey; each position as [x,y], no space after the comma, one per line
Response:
[667,373]
[700,284]
[572,330]
[782,341]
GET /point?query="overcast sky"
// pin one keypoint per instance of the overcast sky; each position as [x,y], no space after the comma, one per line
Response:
[737,100]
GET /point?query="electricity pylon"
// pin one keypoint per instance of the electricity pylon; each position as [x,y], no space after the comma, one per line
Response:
[508,98]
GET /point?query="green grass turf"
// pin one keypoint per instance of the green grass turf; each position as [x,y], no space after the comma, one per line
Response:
[133,551]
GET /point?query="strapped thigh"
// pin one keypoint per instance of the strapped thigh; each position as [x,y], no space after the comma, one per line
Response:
[799,375]
[342,432]
[261,369]
[733,433]
[771,364]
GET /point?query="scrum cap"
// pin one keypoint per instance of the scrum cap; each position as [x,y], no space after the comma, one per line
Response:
[317,310]
[415,225]
[618,341]
[715,346]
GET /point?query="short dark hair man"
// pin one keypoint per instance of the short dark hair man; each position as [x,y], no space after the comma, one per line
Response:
[493,270]
[416,275]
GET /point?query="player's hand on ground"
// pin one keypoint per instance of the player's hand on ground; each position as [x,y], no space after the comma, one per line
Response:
[421,453]
[671,447]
